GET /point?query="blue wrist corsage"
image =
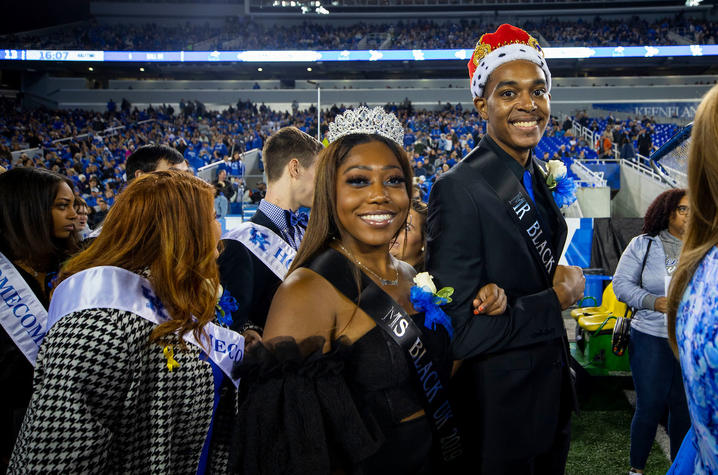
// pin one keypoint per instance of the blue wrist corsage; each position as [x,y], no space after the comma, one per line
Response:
[226,304]
[561,185]
[426,298]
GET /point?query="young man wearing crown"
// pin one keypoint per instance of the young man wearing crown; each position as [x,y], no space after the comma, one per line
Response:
[492,219]
[257,254]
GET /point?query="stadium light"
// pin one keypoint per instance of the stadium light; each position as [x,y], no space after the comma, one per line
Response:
[693,3]
[260,69]
[322,11]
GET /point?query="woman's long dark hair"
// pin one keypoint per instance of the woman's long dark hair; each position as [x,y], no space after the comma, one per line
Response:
[659,212]
[26,227]
[323,223]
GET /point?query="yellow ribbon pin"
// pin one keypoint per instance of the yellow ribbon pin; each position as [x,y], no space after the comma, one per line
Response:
[170,355]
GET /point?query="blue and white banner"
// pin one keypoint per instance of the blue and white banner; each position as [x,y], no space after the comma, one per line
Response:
[21,314]
[269,248]
[117,288]
[311,56]
[675,110]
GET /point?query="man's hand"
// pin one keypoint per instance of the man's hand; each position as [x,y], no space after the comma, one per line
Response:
[568,283]
[661,305]
[490,300]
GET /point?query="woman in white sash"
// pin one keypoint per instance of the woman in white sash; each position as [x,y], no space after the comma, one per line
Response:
[36,218]
[113,391]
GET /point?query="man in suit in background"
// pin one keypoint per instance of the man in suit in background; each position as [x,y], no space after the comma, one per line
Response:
[246,271]
[493,219]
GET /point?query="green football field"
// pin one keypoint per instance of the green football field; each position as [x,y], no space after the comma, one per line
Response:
[600,439]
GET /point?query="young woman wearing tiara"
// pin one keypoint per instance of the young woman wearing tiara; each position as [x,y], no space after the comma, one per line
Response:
[350,376]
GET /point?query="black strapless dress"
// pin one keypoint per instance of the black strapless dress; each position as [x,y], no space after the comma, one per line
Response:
[303,411]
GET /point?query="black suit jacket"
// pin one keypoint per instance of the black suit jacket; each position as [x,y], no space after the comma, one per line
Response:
[248,279]
[515,373]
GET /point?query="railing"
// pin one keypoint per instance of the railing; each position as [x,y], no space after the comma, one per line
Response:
[40,151]
[588,177]
[581,131]
[680,177]
[106,132]
[640,167]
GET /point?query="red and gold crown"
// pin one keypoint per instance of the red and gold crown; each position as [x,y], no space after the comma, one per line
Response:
[508,43]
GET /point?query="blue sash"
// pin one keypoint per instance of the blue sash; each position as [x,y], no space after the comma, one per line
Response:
[269,248]
[120,289]
[22,315]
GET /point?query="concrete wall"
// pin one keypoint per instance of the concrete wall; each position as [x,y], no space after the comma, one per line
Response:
[73,92]
[595,202]
[638,190]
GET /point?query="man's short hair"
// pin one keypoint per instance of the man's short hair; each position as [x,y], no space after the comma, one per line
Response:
[286,144]
[146,158]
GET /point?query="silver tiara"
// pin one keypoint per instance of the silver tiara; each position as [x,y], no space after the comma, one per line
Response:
[363,120]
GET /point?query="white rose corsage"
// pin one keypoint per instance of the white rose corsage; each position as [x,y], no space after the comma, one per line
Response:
[561,185]
[426,298]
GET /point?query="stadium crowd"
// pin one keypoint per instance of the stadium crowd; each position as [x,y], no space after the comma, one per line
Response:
[241,34]
[91,147]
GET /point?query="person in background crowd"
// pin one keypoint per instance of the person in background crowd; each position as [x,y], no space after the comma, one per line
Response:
[257,194]
[640,282]
[409,245]
[514,390]
[98,216]
[148,403]
[626,147]
[645,143]
[221,204]
[223,184]
[693,297]
[340,370]
[145,159]
[290,158]
[606,144]
[83,211]
[150,158]
[37,233]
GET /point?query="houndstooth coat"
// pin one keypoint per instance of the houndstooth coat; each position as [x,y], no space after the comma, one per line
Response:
[105,402]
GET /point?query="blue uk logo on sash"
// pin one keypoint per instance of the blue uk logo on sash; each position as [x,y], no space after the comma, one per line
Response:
[259,239]
[154,303]
[269,248]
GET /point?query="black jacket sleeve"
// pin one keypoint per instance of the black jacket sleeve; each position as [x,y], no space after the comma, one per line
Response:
[237,275]
[455,257]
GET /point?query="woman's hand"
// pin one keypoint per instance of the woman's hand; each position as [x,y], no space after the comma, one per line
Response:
[251,338]
[661,305]
[490,300]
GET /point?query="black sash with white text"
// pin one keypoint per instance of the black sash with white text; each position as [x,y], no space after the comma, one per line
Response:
[519,205]
[393,319]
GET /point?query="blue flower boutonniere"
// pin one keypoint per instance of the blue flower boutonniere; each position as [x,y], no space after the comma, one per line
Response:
[426,298]
[561,185]
[226,304]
